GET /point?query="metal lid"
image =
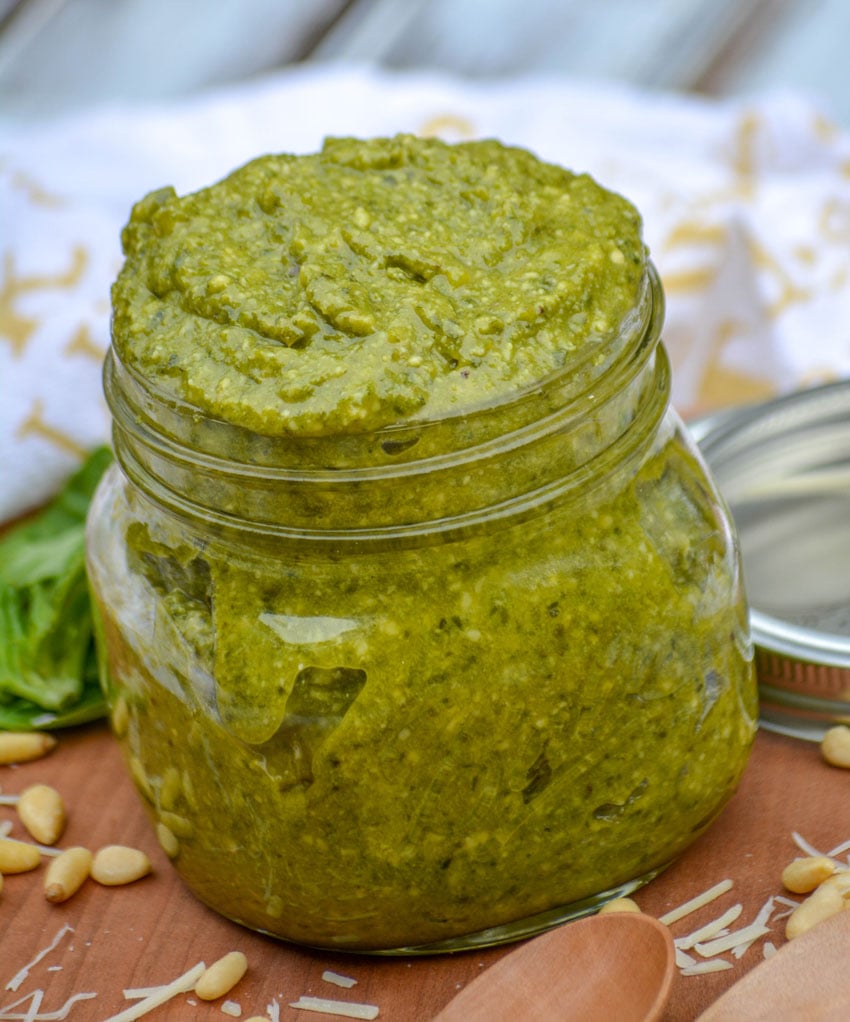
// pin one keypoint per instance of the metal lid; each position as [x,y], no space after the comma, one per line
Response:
[784,469]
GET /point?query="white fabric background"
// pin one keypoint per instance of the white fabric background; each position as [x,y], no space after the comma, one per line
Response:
[746,209]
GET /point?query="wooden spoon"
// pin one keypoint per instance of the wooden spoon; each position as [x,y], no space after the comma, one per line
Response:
[808,978]
[603,967]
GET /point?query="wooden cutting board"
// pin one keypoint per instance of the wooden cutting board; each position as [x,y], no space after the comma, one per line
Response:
[149,933]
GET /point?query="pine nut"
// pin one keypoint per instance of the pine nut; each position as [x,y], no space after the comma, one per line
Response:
[222,976]
[120,717]
[835,746]
[17,856]
[170,789]
[840,881]
[619,905]
[138,774]
[167,841]
[24,746]
[114,865]
[826,901]
[177,824]
[42,812]
[66,874]
[803,875]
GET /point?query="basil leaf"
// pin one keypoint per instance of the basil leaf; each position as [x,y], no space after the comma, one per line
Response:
[48,671]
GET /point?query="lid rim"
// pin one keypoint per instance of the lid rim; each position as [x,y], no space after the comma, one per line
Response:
[782,637]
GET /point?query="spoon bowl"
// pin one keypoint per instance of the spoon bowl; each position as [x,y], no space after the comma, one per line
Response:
[806,979]
[617,965]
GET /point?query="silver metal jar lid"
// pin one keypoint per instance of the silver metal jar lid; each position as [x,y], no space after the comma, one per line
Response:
[784,469]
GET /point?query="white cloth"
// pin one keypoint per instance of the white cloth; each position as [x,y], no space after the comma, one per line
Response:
[746,208]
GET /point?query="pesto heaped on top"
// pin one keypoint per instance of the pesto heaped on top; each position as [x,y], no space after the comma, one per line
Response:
[374,282]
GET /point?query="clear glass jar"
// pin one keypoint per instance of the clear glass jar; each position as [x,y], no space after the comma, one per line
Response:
[438,686]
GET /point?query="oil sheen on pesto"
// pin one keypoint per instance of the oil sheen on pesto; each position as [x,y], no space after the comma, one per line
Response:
[374,282]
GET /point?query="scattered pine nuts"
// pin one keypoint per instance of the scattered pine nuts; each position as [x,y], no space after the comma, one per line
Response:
[24,746]
[619,905]
[835,746]
[827,900]
[42,812]
[114,865]
[17,856]
[803,875]
[222,976]
[67,874]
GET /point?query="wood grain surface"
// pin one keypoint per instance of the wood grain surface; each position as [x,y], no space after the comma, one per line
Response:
[149,933]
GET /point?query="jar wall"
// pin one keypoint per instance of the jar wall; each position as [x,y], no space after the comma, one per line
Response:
[382,748]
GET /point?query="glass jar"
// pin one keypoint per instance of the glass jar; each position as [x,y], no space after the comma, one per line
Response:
[438,686]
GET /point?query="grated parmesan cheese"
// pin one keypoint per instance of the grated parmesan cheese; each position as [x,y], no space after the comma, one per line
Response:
[839,850]
[9,800]
[761,919]
[231,1008]
[22,974]
[341,981]
[809,849]
[7,1014]
[768,949]
[182,985]
[716,928]
[139,993]
[716,965]
[5,828]
[274,1010]
[683,959]
[746,935]
[345,1009]
[44,849]
[675,914]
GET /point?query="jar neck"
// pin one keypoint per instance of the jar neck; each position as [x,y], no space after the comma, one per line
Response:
[567,434]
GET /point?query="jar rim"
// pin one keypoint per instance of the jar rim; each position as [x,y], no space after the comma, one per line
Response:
[501,461]
[137,405]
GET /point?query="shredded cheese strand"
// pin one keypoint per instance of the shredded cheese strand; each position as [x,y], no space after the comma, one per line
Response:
[804,845]
[839,849]
[22,974]
[762,917]
[717,965]
[714,928]
[683,959]
[338,980]
[45,1016]
[345,1009]
[182,985]
[746,935]
[32,1011]
[139,993]
[9,800]
[44,849]
[675,914]
[274,1010]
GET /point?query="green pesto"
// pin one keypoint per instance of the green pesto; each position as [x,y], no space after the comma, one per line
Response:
[408,746]
[372,283]
[531,682]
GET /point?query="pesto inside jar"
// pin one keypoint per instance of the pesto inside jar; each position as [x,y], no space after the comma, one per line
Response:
[374,282]
[351,730]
